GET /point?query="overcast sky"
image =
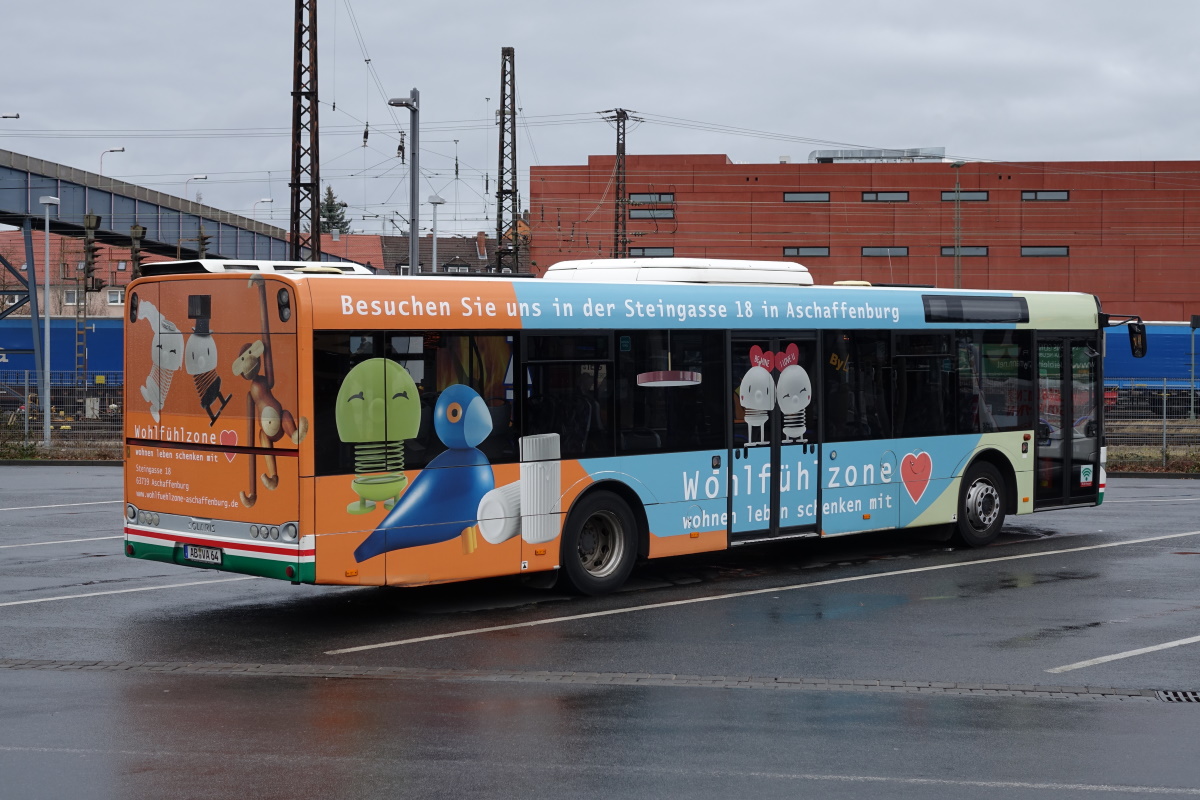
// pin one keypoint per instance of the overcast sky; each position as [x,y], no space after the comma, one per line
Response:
[190,88]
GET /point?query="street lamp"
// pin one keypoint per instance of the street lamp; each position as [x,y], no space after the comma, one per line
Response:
[435,201]
[189,180]
[254,208]
[413,104]
[957,166]
[47,200]
[113,150]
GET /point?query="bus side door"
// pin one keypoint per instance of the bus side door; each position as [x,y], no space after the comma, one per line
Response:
[1067,434]
[773,464]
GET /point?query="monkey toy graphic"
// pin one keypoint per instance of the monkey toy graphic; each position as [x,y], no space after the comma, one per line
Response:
[256,364]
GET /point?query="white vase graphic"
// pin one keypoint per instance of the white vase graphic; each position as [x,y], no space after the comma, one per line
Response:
[499,513]
[540,487]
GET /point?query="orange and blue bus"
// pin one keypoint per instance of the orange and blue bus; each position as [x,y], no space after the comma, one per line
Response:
[325,425]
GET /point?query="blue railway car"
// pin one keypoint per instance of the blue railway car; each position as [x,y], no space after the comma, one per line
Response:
[104,340]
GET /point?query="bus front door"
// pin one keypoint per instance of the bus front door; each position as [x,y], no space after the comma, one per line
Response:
[773,462]
[1067,434]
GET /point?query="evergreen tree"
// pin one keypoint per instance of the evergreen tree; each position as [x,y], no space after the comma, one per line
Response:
[333,213]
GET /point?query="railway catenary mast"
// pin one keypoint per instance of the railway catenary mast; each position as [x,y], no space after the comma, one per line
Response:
[305,183]
[508,200]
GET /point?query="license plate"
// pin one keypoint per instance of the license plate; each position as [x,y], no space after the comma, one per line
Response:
[209,555]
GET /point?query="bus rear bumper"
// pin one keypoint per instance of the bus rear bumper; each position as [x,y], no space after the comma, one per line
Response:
[296,565]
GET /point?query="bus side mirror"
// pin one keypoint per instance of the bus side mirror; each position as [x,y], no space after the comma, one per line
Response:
[1137,339]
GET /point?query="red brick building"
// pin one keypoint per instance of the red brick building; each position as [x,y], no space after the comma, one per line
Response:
[1126,231]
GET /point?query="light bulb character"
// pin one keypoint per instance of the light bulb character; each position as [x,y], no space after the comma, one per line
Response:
[377,409]
[757,394]
[794,393]
[166,356]
[200,360]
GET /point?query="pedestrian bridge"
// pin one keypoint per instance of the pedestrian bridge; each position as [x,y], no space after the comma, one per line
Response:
[173,225]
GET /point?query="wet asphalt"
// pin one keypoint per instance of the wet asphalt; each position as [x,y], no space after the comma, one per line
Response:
[879,665]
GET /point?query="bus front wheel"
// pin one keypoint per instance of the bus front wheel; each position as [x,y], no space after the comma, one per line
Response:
[599,544]
[981,506]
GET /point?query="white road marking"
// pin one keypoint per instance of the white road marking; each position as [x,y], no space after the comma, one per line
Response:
[1091,662]
[751,593]
[308,757]
[60,541]
[126,591]
[1160,500]
[62,505]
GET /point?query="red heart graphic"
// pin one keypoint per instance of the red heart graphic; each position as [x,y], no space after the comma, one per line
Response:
[915,470]
[760,359]
[229,438]
[788,357]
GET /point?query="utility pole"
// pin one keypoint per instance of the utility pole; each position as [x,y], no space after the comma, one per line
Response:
[620,238]
[306,179]
[508,201]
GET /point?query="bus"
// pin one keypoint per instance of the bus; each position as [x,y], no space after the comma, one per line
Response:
[324,425]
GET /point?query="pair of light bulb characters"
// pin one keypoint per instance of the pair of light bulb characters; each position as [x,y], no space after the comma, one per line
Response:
[760,392]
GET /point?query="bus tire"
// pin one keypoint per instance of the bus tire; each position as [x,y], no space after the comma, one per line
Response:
[599,544]
[981,505]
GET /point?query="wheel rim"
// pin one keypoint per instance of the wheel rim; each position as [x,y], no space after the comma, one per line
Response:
[983,504]
[601,544]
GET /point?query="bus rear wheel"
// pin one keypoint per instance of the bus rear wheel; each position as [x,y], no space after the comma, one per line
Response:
[599,544]
[981,506]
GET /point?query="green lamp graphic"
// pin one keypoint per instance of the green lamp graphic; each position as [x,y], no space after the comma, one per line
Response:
[377,409]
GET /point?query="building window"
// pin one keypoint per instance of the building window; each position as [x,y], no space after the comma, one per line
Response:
[404,269]
[70,297]
[457,269]
[79,266]
[652,252]
[116,297]
[652,197]
[24,267]
[966,197]
[1059,196]
[885,197]
[1044,251]
[652,213]
[806,197]
[885,251]
[806,251]
[121,266]
[965,251]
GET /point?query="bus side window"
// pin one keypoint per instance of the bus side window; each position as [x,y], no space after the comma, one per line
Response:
[925,387]
[679,404]
[995,381]
[858,385]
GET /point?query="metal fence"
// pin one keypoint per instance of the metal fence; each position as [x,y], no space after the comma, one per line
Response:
[1148,421]
[85,415]
[1152,420]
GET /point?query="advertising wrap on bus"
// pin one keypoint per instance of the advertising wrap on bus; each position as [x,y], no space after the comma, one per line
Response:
[212,421]
[347,430]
